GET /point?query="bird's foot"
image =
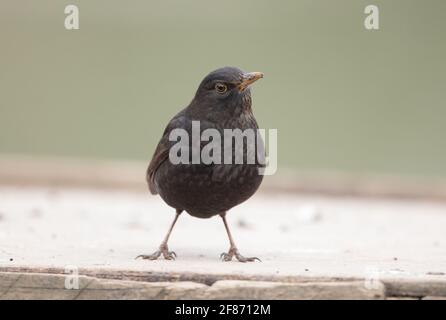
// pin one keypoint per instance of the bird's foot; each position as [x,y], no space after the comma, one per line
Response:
[163,250]
[233,252]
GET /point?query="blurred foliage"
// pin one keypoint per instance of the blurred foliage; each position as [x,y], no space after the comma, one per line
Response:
[343,98]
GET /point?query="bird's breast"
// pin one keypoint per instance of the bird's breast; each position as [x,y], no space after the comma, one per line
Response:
[205,191]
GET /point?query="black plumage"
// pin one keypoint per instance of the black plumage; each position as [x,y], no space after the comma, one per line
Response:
[222,101]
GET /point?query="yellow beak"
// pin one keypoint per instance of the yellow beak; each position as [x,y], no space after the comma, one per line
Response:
[248,79]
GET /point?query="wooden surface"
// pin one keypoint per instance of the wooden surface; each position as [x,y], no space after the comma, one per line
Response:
[399,244]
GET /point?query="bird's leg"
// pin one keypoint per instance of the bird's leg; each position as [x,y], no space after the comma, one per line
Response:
[163,249]
[233,251]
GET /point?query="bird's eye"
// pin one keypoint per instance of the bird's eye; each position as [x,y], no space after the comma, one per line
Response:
[221,88]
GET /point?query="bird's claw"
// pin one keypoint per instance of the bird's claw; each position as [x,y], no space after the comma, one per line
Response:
[168,255]
[233,252]
[152,256]
[225,257]
[246,259]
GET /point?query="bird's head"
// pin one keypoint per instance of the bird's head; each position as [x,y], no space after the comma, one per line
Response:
[225,90]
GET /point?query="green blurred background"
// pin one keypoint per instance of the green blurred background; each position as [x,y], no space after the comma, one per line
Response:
[342,98]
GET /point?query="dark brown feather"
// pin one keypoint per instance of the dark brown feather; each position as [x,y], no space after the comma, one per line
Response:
[162,151]
[160,155]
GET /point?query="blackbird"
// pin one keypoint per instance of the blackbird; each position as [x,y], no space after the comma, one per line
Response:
[222,101]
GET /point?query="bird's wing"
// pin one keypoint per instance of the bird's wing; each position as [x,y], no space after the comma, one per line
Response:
[162,150]
[160,155]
